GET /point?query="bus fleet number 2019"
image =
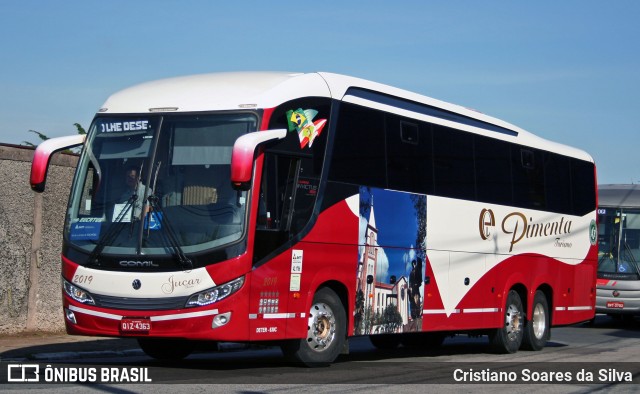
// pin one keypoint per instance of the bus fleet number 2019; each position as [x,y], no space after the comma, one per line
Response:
[82,279]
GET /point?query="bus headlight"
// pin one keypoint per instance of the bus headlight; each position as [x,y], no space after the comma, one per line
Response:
[215,294]
[77,293]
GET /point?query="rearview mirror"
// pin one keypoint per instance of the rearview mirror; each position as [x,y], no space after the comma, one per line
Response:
[42,158]
[244,150]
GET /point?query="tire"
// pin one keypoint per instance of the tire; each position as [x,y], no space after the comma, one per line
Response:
[326,332]
[508,338]
[385,341]
[423,340]
[536,331]
[166,348]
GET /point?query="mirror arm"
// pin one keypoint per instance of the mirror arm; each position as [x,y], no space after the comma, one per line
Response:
[243,152]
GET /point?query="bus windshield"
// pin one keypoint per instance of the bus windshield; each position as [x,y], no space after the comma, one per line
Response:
[619,243]
[158,185]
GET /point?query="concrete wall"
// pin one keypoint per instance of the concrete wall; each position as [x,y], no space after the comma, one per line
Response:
[31,242]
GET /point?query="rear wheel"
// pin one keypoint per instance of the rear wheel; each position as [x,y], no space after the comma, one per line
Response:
[326,332]
[537,327]
[166,348]
[508,338]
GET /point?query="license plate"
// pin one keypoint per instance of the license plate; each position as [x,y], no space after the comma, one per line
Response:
[615,304]
[135,325]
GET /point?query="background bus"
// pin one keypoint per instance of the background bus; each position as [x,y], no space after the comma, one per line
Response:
[618,286]
[302,209]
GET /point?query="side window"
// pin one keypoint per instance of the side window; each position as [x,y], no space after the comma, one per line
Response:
[528,178]
[89,204]
[409,160]
[453,163]
[493,170]
[287,194]
[359,147]
[557,183]
[583,187]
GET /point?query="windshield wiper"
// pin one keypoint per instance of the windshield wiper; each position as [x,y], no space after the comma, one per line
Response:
[169,236]
[169,233]
[116,228]
[631,259]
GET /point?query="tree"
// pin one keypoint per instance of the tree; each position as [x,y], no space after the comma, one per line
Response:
[44,137]
[391,319]
[40,135]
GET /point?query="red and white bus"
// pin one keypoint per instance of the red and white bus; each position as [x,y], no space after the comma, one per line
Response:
[303,209]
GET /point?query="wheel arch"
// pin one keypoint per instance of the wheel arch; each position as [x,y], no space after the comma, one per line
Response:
[521,289]
[343,294]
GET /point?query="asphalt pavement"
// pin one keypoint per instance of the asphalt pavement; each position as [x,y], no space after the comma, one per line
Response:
[45,346]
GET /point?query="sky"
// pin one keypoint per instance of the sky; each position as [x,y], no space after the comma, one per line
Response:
[565,70]
[397,225]
[395,219]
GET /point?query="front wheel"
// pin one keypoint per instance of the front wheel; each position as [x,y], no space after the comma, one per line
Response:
[508,338]
[326,332]
[537,328]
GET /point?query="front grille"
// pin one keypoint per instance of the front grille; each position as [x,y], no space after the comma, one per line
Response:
[618,276]
[140,304]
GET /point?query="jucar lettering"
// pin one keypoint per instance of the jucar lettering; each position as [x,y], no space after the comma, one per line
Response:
[171,284]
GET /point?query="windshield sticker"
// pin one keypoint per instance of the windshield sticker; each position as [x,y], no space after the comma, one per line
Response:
[115,127]
[85,231]
[90,220]
[302,121]
[121,213]
[155,222]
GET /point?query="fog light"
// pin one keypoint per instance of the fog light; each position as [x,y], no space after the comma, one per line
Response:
[221,320]
[70,316]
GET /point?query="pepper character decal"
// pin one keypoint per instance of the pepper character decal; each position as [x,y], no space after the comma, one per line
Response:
[302,121]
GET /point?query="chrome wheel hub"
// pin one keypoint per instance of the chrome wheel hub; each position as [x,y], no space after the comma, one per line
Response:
[321,327]
[539,321]
[513,322]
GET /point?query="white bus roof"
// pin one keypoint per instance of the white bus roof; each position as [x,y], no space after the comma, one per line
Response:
[238,90]
[619,196]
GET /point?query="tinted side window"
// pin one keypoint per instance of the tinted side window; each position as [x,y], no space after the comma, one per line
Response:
[493,170]
[359,147]
[409,155]
[453,163]
[528,178]
[583,187]
[557,182]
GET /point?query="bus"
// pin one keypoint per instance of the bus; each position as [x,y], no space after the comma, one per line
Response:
[618,283]
[300,210]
